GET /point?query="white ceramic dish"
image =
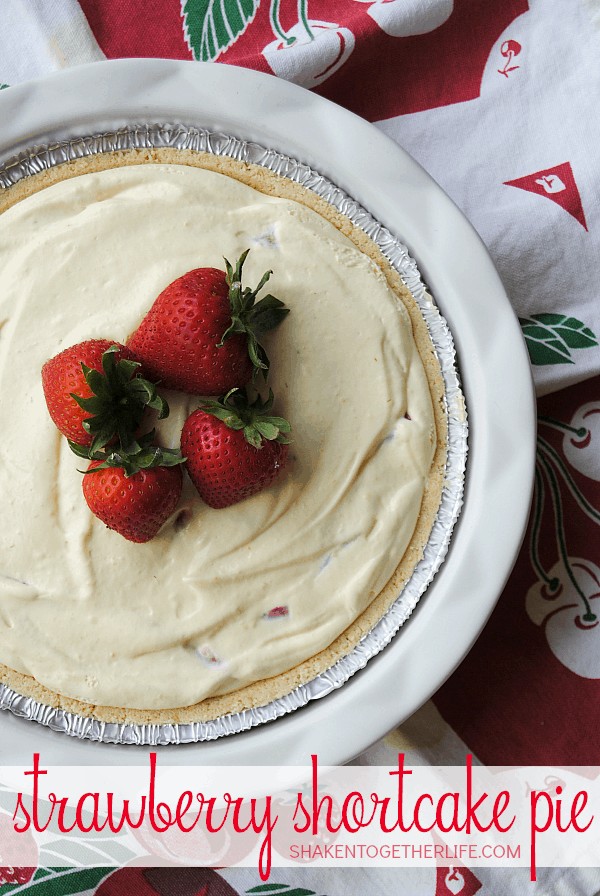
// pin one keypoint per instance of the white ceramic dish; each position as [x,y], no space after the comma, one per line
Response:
[496,379]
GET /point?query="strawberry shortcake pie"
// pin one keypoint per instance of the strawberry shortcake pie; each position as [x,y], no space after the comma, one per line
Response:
[223,439]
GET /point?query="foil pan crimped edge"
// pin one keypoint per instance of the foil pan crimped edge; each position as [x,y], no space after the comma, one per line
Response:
[180,136]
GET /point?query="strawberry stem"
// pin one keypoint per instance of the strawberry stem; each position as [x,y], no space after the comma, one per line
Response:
[138,455]
[250,317]
[254,418]
[118,402]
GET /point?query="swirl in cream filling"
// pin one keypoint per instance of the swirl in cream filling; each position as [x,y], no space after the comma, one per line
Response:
[192,613]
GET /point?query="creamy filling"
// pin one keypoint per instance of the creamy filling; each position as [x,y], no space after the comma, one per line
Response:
[231,596]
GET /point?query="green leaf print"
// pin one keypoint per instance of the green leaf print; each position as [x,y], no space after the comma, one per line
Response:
[280,890]
[550,337]
[39,874]
[63,882]
[212,26]
[3,86]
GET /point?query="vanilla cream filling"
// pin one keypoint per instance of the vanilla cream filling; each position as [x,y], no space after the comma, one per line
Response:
[221,598]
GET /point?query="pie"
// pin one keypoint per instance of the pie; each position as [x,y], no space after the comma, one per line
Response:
[225,609]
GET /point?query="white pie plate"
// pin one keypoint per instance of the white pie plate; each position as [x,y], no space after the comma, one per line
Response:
[493,360]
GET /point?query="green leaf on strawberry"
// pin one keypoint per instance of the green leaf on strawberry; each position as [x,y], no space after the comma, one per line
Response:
[135,455]
[118,401]
[250,317]
[237,412]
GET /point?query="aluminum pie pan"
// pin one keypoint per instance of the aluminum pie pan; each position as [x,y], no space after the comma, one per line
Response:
[184,137]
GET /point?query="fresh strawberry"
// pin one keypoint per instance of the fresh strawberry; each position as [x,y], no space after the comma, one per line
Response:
[202,333]
[233,448]
[95,394]
[134,493]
